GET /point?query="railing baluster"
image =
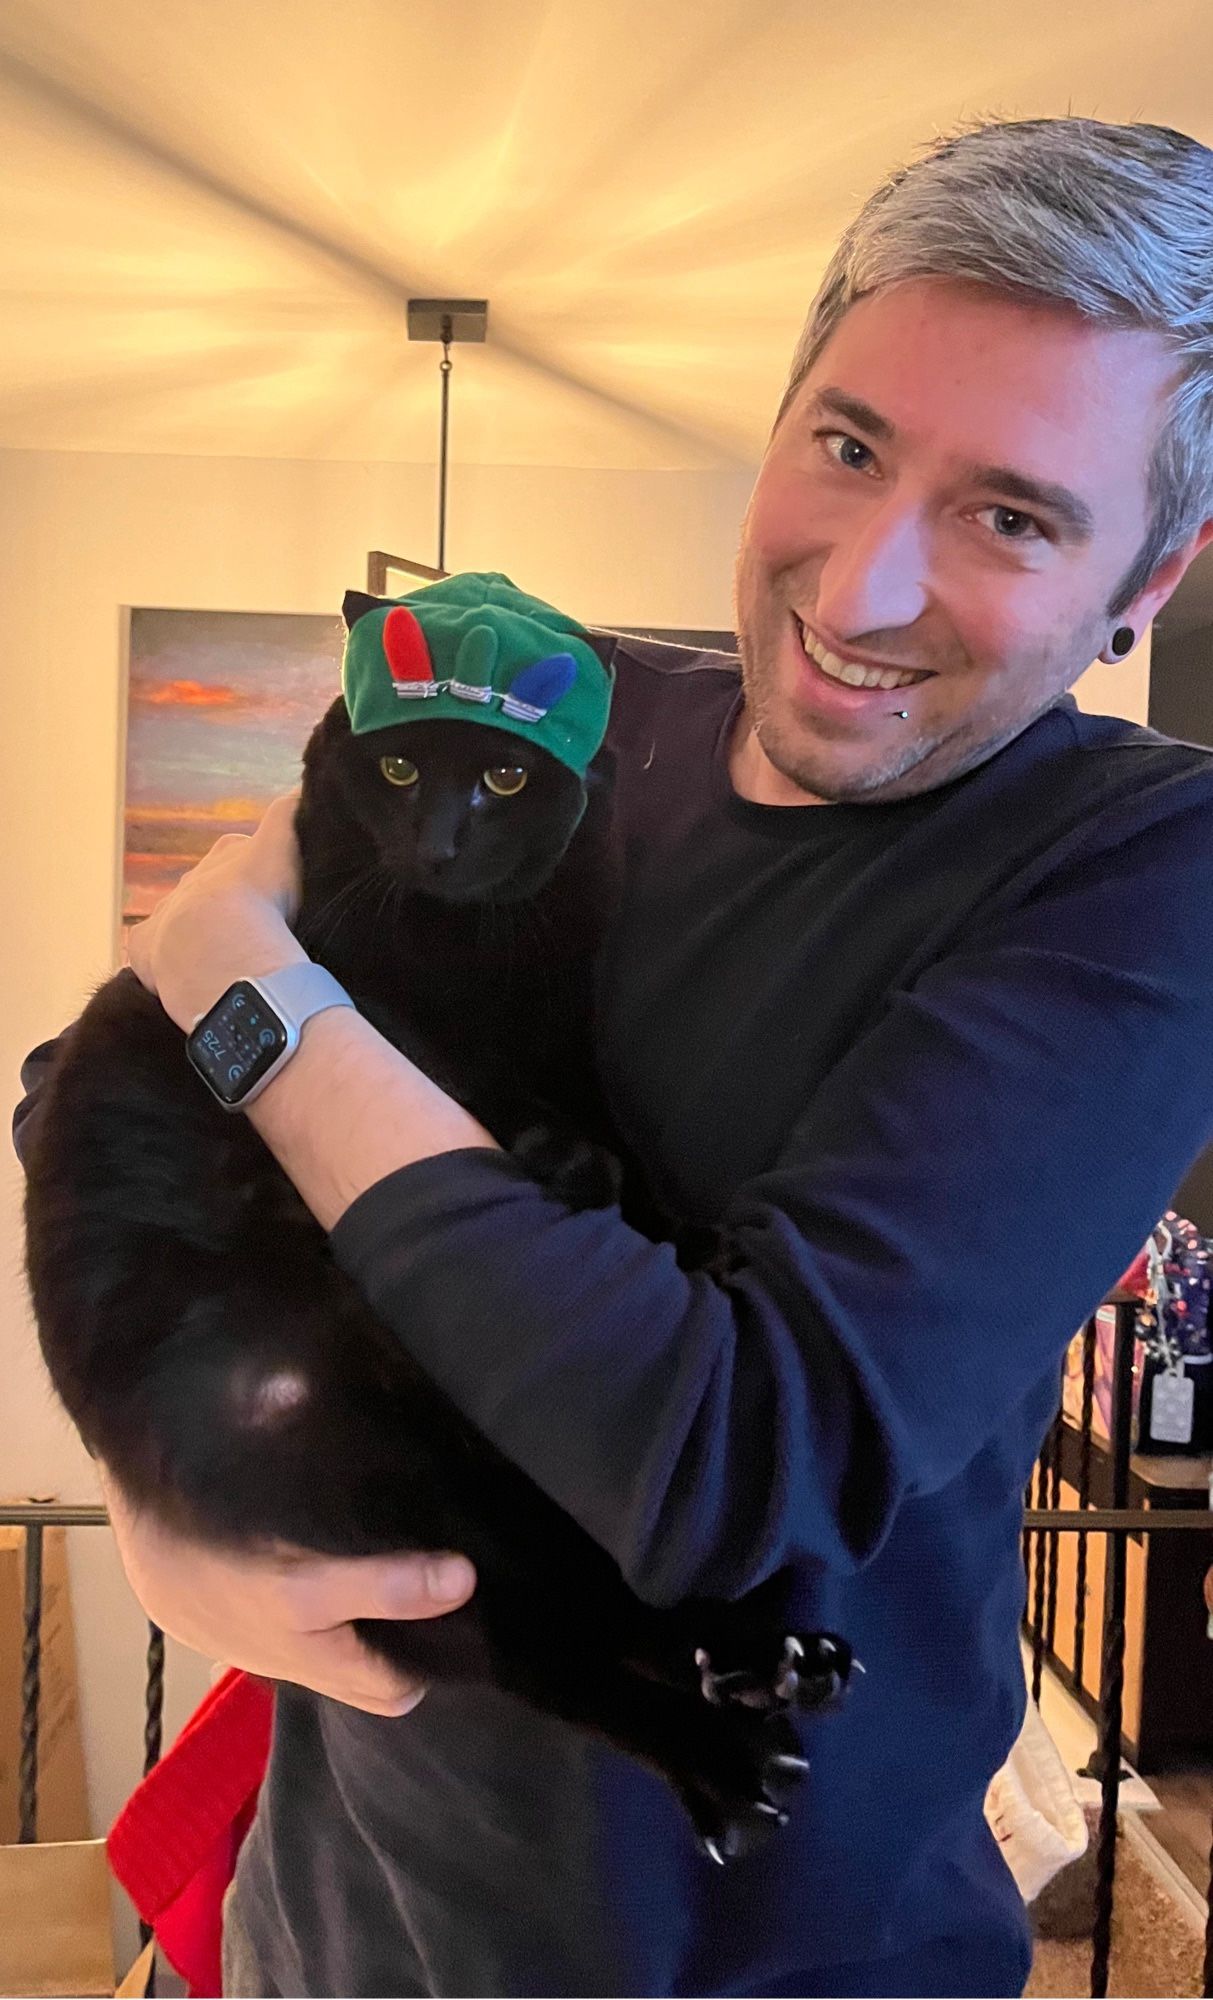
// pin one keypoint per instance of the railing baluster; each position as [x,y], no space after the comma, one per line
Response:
[1084,1496]
[1038,1597]
[1053,1541]
[1111,1691]
[153,1724]
[31,1683]
[154,1698]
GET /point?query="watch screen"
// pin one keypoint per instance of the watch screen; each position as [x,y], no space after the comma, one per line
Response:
[237,1042]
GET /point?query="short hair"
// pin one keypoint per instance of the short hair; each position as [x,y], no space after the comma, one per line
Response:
[1115,220]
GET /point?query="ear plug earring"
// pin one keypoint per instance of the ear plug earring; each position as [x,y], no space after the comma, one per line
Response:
[1122,639]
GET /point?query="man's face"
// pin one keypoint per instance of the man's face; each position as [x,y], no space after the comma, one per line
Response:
[956,490]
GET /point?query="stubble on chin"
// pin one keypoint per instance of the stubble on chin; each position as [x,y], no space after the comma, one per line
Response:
[815,768]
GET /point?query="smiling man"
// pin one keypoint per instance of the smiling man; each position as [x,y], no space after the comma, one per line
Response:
[906,996]
[945,514]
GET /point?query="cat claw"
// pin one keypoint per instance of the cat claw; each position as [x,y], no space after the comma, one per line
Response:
[710,1848]
[777,1689]
[787,1679]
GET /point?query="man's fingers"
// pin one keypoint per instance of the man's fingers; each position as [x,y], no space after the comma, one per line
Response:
[276,827]
[342,1668]
[325,1593]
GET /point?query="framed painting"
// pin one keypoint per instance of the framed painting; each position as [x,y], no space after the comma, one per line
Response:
[219,707]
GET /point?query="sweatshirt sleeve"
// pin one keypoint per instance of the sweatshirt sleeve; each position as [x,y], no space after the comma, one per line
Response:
[956,1199]
[33,1072]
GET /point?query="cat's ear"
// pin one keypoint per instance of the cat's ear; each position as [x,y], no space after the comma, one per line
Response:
[355,605]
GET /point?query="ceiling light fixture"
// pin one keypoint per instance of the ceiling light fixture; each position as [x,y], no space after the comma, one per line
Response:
[447,320]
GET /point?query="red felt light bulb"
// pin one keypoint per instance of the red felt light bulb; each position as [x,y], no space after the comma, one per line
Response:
[408,656]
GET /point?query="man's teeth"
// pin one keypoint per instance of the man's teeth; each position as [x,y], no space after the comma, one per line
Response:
[854,676]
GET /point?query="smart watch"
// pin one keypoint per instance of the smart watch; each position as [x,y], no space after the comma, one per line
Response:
[240,1044]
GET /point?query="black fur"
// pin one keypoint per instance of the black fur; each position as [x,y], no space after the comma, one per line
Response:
[234,1381]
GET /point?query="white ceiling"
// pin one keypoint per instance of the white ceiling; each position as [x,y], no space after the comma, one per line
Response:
[212,212]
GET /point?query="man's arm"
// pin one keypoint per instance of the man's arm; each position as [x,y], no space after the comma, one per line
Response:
[348,1110]
[33,1075]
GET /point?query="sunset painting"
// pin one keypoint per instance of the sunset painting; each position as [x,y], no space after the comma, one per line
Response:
[220,706]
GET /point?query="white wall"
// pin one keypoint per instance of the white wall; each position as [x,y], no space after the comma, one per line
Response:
[80,537]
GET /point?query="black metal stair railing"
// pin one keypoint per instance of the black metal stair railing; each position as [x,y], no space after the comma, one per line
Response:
[1043,1526]
[35,1516]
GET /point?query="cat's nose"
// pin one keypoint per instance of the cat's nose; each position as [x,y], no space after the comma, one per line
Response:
[437,845]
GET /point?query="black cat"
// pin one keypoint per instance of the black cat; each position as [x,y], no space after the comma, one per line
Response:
[214,1357]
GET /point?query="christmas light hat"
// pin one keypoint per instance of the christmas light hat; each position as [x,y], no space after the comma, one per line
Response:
[476,648]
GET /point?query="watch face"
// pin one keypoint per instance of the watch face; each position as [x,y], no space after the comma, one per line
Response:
[237,1042]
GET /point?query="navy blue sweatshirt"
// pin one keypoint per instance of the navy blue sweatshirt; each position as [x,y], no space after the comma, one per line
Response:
[936,1067]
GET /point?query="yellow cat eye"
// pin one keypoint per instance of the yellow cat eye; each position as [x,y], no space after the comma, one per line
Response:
[399,771]
[506,780]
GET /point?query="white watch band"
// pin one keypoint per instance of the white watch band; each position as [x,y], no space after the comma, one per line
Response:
[296,992]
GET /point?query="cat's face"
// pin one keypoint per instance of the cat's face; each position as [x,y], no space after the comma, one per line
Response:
[459,811]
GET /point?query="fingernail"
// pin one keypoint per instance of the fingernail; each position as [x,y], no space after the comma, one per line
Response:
[447,1577]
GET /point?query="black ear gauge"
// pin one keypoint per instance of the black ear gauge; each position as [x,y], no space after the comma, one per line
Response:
[1122,640]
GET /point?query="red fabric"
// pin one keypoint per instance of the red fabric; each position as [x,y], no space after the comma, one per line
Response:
[173,1846]
[408,656]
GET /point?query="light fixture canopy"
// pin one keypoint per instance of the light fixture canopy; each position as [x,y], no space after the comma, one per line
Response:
[448,319]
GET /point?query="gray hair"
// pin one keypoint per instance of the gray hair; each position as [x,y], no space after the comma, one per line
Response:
[1116,220]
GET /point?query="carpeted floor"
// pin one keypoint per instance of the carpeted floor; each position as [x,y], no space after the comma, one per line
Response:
[1156,1951]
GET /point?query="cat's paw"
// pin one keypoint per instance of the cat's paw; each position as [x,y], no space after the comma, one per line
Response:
[738,1800]
[807,1670]
[574,1170]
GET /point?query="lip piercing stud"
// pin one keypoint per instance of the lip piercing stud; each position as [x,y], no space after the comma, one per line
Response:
[902,714]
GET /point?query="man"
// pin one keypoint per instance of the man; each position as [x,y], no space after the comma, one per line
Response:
[903,994]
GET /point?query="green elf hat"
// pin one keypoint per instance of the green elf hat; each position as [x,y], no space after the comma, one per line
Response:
[476,648]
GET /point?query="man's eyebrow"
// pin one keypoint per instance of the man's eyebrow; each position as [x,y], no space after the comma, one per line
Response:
[836,402]
[1073,514]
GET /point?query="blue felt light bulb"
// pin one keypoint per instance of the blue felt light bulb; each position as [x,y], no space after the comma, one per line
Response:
[544,682]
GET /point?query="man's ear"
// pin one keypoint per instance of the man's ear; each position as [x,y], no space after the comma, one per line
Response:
[1166,579]
[355,605]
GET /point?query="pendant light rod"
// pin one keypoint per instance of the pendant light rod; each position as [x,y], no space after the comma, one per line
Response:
[446,320]
[445,371]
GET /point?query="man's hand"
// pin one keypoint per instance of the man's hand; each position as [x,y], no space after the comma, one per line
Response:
[227,919]
[286,1616]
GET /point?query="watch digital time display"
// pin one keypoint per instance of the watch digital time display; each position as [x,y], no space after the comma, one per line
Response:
[237,1042]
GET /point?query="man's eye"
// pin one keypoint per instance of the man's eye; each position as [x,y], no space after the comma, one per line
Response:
[505,779]
[1012,526]
[399,771]
[851,452]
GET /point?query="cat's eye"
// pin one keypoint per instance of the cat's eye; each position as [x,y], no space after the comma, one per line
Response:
[399,771]
[506,780]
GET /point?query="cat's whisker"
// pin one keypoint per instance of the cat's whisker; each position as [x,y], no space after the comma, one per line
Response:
[323,923]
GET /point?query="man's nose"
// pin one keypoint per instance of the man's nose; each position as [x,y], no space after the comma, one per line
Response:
[877,578]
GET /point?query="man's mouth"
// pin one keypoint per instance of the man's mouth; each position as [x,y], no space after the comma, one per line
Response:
[850,673]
